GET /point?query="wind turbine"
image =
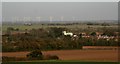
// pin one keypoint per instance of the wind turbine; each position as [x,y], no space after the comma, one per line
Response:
[16,19]
[39,18]
[62,18]
[13,19]
[26,19]
[51,19]
[0,21]
[73,18]
[29,19]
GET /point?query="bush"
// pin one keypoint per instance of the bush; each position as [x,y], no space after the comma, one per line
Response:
[54,57]
[93,34]
[35,55]
[51,57]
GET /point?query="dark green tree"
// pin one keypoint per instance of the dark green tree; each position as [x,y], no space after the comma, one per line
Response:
[93,34]
[35,55]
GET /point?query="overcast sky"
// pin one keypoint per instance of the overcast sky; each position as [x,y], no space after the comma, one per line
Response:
[60,0]
[58,10]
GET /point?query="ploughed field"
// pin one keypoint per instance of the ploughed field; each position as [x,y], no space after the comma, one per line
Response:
[88,53]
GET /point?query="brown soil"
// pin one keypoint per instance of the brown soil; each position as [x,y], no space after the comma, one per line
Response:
[82,55]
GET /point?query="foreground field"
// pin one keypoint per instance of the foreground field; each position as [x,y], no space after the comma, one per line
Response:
[60,62]
[80,55]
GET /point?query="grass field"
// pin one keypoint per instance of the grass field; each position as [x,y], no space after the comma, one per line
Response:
[74,27]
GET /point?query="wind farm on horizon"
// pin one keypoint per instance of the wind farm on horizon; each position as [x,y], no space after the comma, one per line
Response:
[50,19]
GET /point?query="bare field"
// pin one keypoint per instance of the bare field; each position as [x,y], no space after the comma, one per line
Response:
[82,55]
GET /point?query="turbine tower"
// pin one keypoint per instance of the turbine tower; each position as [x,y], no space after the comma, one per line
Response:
[51,19]
[29,19]
[26,19]
[62,18]
[16,19]
[39,18]
[13,20]
[73,18]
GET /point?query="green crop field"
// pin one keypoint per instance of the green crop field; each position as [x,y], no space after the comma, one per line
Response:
[59,62]
[74,27]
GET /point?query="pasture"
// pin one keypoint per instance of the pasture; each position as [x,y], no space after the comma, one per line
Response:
[71,27]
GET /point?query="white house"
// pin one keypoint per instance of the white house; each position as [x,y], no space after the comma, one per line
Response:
[67,33]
